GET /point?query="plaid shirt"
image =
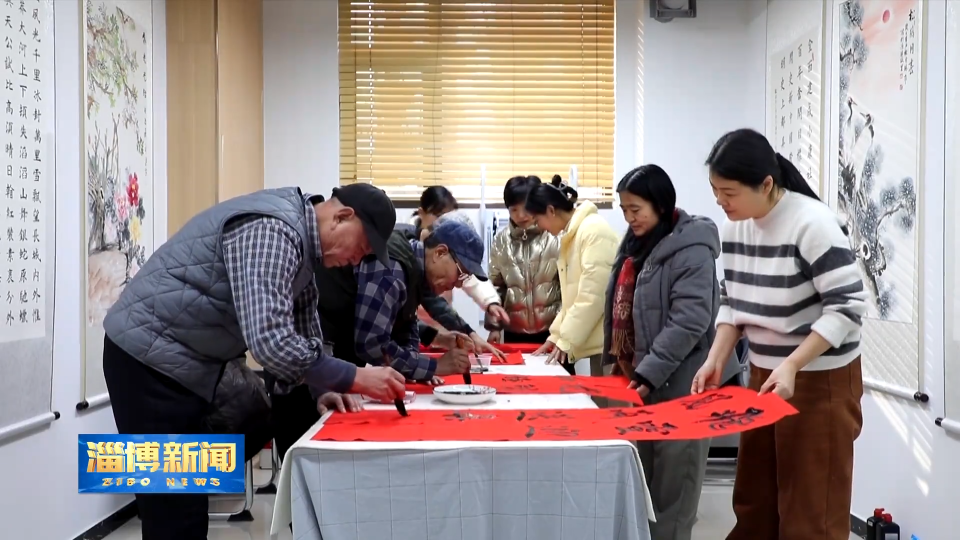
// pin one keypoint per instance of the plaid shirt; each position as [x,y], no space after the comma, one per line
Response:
[381,293]
[262,256]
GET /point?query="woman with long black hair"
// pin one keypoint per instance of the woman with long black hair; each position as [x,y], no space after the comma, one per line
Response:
[793,288]
[660,307]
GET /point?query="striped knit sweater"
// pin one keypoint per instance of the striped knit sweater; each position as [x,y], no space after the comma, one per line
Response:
[790,273]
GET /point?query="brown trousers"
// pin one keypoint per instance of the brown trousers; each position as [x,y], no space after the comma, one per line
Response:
[795,478]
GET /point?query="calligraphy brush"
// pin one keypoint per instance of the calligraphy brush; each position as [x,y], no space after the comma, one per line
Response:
[401,408]
[467,378]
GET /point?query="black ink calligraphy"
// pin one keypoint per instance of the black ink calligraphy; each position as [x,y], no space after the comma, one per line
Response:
[628,413]
[553,431]
[796,72]
[27,64]
[463,416]
[546,415]
[720,421]
[704,401]
[648,426]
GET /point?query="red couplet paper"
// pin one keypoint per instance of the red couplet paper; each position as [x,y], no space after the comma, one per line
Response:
[512,359]
[711,414]
[609,387]
[519,347]
[524,348]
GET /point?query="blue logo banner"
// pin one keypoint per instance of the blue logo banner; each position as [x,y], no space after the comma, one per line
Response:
[160,464]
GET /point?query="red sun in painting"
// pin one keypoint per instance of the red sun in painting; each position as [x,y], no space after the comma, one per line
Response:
[886,15]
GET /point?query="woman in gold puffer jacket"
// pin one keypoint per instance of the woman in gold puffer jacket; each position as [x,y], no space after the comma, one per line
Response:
[523,267]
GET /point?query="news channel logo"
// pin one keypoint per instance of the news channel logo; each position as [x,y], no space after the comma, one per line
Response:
[167,464]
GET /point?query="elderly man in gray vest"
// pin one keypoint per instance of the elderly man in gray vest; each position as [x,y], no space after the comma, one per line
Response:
[237,277]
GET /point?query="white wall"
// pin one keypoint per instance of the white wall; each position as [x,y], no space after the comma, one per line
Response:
[39,473]
[703,77]
[301,95]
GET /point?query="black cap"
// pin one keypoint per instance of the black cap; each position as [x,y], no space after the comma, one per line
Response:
[375,211]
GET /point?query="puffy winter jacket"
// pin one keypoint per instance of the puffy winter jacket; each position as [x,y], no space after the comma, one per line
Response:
[523,266]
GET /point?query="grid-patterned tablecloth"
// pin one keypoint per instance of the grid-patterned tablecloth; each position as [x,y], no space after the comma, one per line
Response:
[435,490]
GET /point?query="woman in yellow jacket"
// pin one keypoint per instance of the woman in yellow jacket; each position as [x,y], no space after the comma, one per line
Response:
[588,247]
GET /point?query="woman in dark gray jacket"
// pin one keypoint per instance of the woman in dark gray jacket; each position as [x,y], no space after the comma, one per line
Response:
[661,304]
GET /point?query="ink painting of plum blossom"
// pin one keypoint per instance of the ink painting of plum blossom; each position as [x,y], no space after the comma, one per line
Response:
[118,156]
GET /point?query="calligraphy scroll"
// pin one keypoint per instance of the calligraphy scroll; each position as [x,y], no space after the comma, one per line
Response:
[27,209]
[28,102]
[609,387]
[795,95]
[720,412]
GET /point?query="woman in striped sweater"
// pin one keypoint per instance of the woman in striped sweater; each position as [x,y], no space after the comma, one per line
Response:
[792,287]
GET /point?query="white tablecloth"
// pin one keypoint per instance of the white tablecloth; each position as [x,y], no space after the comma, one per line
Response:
[449,490]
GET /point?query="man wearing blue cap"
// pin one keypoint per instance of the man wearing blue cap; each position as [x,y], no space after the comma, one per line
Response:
[386,330]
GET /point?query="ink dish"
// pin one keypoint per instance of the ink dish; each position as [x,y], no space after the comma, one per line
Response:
[464,394]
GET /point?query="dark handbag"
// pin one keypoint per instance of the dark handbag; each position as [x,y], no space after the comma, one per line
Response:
[240,404]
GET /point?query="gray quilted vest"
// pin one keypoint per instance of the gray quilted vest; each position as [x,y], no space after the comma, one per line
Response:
[177,314]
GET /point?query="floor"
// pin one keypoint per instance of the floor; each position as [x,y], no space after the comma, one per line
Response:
[715,518]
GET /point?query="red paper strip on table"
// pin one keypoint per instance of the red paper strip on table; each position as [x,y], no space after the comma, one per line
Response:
[512,359]
[526,348]
[609,387]
[711,414]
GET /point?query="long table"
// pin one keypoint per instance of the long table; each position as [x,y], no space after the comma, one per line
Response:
[447,490]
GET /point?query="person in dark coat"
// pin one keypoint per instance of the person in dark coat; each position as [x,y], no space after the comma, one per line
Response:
[661,303]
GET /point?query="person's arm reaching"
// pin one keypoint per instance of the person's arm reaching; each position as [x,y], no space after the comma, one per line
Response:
[443,312]
[832,266]
[496,286]
[306,322]
[262,258]
[380,295]
[498,261]
[483,293]
[727,333]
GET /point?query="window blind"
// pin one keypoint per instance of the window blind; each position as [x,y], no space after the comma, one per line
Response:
[451,91]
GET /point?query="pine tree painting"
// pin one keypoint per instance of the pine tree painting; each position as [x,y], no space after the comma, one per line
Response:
[878,205]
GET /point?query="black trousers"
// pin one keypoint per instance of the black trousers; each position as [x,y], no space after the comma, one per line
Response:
[145,401]
[293,414]
[514,337]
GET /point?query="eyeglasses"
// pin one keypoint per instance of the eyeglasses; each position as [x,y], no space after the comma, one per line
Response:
[463,275]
